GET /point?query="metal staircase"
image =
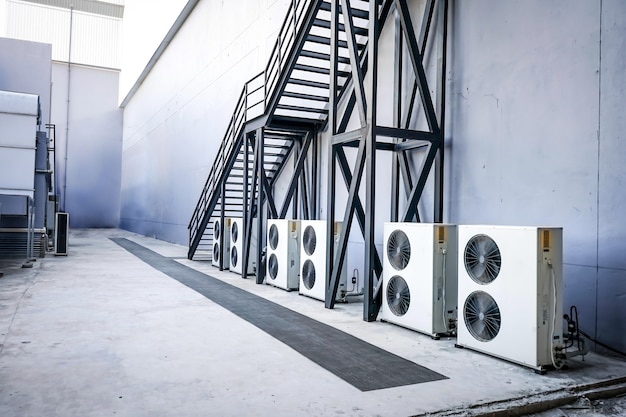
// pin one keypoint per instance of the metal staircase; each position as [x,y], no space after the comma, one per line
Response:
[287,101]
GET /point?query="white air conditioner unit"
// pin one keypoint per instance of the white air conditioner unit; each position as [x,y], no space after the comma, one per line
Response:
[283,253]
[237,228]
[420,277]
[510,293]
[313,259]
[221,251]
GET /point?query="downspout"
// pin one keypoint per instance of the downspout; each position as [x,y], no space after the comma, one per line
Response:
[67,110]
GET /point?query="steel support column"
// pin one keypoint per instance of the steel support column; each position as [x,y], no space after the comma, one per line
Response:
[372,299]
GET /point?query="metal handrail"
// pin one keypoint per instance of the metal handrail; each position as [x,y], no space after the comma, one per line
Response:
[246,110]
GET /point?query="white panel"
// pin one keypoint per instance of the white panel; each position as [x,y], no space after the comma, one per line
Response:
[17,171]
[18,103]
[17,143]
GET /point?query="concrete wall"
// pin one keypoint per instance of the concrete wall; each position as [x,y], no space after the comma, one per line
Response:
[535,136]
[90,187]
[174,123]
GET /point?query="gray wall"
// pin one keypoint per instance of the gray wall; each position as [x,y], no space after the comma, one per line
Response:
[94,144]
[175,122]
[25,68]
[535,136]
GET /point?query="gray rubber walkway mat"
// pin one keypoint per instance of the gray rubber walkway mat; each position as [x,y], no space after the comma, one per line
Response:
[357,362]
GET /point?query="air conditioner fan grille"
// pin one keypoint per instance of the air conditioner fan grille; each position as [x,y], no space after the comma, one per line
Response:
[272,266]
[308,274]
[398,250]
[482,259]
[234,232]
[234,256]
[482,316]
[273,237]
[398,295]
[216,230]
[216,252]
[309,240]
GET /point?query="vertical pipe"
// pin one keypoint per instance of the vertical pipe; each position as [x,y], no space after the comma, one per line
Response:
[67,109]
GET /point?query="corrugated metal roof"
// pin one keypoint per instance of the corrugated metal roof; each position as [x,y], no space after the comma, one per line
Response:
[104,8]
[96,38]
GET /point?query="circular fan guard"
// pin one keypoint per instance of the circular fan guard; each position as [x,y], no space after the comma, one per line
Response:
[308,274]
[233,256]
[272,266]
[309,240]
[398,250]
[273,237]
[482,316]
[216,252]
[398,295]
[482,259]
[234,232]
[216,230]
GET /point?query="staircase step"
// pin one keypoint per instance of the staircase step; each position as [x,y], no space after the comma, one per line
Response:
[308,83]
[323,56]
[362,14]
[301,109]
[322,23]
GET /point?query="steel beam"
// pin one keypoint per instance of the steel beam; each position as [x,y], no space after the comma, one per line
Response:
[418,68]
[249,213]
[358,206]
[338,261]
[297,174]
[416,193]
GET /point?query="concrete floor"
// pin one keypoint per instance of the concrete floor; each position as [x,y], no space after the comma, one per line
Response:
[101,333]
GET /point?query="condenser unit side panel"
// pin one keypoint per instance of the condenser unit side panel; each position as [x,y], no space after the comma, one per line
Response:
[445,276]
[420,272]
[550,298]
[452,271]
[293,262]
